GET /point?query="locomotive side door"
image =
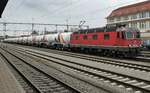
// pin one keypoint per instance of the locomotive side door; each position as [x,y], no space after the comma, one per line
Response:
[120,38]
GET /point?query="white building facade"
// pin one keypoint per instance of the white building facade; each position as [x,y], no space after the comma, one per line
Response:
[135,16]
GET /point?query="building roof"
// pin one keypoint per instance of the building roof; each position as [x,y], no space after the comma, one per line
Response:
[130,9]
[2,6]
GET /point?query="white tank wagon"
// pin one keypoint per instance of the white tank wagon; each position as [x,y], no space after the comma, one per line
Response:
[49,40]
[33,40]
[8,40]
[38,40]
[14,40]
[29,40]
[11,40]
[25,40]
[57,40]
[20,40]
[64,38]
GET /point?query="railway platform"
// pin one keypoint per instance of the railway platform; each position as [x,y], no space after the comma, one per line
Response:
[8,83]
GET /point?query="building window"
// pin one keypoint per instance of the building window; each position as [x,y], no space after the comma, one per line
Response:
[142,15]
[85,37]
[126,18]
[127,25]
[142,25]
[134,16]
[106,36]
[95,37]
[118,19]
[134,25]
[149,24]
[111,20]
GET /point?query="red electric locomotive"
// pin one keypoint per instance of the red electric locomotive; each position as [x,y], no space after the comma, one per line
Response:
[112,41]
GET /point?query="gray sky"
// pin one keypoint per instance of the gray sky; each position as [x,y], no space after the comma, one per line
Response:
[93,12]
[58,11]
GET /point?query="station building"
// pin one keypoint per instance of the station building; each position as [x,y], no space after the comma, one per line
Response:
[135,15]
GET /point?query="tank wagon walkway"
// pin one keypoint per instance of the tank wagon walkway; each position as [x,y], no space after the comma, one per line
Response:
[8,83]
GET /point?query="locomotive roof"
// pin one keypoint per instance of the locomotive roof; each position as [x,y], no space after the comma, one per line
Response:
[102,29]
[112,28]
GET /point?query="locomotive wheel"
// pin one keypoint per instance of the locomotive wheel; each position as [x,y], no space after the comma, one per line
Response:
[86,51]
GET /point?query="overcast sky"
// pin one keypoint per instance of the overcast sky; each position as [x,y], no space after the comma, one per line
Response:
[93,12]
[58,11]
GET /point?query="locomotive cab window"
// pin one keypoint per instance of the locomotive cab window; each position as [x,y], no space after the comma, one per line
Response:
[95,37]
[85,37]
[106,36]
[129,35]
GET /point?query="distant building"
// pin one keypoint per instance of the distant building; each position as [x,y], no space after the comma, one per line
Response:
[135,15]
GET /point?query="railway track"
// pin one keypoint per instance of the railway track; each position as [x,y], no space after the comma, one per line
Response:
[23,81]
[129,83]
[144,57]
[42,82]
[105,60]
[125,64]
[145,53]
